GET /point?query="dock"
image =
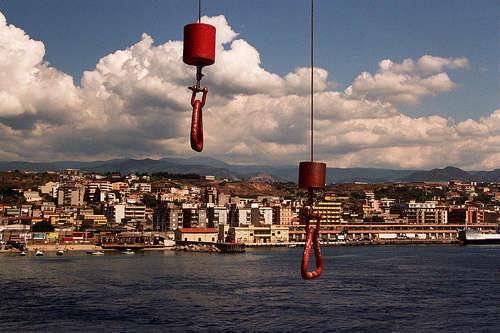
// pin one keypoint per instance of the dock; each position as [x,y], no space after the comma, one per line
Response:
[231,247]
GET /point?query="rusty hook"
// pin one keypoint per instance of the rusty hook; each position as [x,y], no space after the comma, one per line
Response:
[311,240]
[196,137]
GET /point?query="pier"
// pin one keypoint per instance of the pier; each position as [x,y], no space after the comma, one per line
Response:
[231,247]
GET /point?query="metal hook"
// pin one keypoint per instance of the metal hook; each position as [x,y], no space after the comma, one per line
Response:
[311,240]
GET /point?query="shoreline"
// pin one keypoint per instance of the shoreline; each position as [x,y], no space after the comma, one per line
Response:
[364,243]
[90,247]
[75,248]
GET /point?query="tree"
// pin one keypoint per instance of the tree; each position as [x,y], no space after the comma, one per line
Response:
[150,201]
[484,198]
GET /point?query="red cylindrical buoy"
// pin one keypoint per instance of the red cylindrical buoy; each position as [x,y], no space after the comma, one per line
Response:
[312,175]
[199,44]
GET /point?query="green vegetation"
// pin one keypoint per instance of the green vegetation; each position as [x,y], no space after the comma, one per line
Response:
[150,201]
[162,175]
[484,198]
[9,196]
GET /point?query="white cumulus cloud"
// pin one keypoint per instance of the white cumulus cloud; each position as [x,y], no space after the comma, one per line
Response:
[135,103]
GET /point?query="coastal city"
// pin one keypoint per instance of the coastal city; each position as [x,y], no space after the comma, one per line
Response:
[76,210]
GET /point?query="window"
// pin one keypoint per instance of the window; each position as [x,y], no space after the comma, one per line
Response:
[199,239]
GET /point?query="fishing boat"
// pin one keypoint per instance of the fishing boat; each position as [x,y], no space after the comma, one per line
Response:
[38,253]
[60,252]
[22,254]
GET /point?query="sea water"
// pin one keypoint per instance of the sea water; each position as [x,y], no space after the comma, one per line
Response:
[362,289]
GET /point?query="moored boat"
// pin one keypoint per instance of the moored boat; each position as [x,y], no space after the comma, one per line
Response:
[95,253]
[38,253]
[22,254]
[128,251]
[60,252]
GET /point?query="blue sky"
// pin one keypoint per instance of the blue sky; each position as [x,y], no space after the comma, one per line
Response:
[352,37]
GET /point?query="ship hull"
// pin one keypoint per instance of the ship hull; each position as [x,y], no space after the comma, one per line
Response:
[482,241]
[477,238]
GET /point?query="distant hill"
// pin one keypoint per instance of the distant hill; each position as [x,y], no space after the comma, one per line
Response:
[487,176]
[452,173]
[210,166]
[446,174]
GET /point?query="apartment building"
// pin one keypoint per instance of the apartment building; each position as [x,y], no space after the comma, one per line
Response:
[70,194]
[282,215]
[124,213]
[330,209]
[428,212]
[216,215]
[167,218]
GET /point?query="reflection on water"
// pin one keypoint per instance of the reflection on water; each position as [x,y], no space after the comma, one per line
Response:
[420,288]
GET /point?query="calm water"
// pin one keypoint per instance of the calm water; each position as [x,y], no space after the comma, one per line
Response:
[363,289]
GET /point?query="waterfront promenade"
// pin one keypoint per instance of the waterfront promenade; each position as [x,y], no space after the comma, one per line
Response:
[379,242]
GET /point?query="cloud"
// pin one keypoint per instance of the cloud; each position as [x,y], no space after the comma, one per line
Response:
[426,65]
[30,91]
[406,83]
[135,103]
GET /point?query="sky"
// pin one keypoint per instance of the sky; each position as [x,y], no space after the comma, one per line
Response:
[398,84]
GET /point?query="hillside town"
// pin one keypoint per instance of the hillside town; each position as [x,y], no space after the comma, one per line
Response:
[74,208]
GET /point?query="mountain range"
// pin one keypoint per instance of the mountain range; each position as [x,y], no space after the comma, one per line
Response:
[210,166]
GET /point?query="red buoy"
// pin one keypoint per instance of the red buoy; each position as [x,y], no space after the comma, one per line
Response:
[312,175]
[199,44]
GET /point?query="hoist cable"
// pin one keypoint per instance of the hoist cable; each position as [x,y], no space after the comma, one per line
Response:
[312,80]
[199,11]
[309,174]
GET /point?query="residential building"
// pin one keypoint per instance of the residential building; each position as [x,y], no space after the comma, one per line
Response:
[217,215]
[49,188]
[32,196]
[71,194]
[330,209]
[223,199]
[210,195]
[282,215]
[167,218]
[142,187]
[427,212]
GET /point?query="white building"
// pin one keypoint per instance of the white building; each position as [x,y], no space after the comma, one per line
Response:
[31,196]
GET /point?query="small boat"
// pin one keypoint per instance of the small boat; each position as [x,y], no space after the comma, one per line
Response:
[292,245]
[95,253]
[128,251]
[22,254]
[38,253]
[60,252]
